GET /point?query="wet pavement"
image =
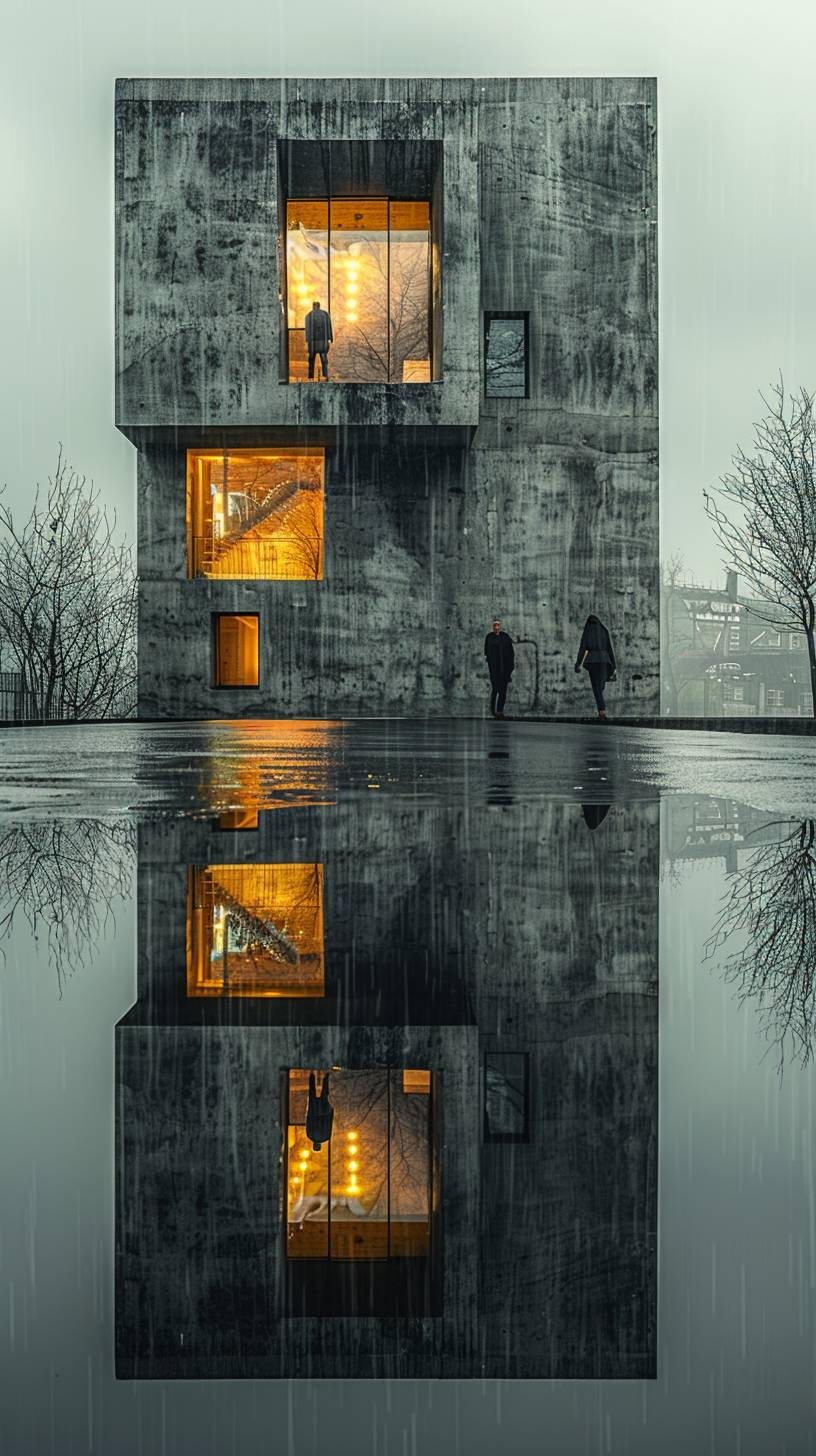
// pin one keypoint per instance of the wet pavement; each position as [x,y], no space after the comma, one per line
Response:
[189,768]
[556,982]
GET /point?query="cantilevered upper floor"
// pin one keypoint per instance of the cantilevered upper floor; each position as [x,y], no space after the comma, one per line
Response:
[468,239]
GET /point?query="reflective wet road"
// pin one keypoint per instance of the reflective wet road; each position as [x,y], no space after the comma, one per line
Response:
[557,983]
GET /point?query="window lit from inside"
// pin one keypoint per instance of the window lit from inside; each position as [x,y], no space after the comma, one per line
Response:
[235,650]
[255,930]
[367,263]
[256,514]
[364,1191]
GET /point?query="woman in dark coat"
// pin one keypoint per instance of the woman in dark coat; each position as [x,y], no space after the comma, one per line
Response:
[597,656]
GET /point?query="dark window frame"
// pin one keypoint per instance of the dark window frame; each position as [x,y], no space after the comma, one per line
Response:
[488,1135]
[216,686]
[507,313]
[341,197]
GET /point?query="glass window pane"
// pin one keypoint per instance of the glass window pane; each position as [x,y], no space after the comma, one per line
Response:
[410,1163]
[307,271]
[360,1165]
[255,930]
[236,651]
[307,1187]
[359,290]
[505,357]
[374,1190]
[505,1096]
[409,303]
[256,513]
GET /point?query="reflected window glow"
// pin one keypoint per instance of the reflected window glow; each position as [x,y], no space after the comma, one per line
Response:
[256,514]
[367,262]
[255,930]
[366,1193]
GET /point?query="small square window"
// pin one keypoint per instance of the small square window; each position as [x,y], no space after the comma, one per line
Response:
[235,650]
[506,355]
[506,1097]
[255,930]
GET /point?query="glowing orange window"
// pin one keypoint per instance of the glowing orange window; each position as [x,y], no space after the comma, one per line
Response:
[255,930]
[235,650]
[256,514]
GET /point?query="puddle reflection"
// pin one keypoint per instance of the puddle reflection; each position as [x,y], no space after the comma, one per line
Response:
[476,993]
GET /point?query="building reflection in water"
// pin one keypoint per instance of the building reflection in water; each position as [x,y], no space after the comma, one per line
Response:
[476,1194]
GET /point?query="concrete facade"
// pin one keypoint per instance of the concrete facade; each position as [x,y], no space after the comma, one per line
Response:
[451,933]
[443,507]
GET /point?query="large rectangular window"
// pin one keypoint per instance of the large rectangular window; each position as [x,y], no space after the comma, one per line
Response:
[256,514]
[506,356]
[359,1164]
[255,930]
[366,262]
[235,650]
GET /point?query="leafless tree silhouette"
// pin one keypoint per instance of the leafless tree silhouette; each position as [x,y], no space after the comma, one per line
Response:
[771,538]
[304,530]
[64,879]
[68,603]
[770,909]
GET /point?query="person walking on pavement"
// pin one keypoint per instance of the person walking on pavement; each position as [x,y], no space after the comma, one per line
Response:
[596,654]
[501,658]
[319,336]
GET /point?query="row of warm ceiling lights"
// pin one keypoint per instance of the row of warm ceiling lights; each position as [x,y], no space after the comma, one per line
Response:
[352,1166]
[352,287]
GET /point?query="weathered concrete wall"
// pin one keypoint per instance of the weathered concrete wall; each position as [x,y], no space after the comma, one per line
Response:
[540,509]
[549,1260]
[197,273]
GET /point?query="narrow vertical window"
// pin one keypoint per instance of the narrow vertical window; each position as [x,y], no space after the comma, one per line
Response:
[235,650]
[507,356]
[506,1093]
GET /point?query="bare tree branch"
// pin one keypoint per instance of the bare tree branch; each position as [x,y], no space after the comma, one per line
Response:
[68,603]
[764,516]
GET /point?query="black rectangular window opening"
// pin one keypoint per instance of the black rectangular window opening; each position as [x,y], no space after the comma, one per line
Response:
[506,1097]
[506,355]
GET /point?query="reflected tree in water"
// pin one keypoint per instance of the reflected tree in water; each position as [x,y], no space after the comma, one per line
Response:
[769,910]
[64,879]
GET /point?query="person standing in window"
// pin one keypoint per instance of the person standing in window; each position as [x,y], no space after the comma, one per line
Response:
[501,659]
[319,337]
[319,1113]
[596,655]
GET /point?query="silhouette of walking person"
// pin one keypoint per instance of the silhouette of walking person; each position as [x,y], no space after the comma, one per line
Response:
[596,655]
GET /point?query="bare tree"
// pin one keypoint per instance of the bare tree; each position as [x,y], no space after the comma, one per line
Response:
[770,907]
[302,529]
[771,540]
[64,879]
[68,602]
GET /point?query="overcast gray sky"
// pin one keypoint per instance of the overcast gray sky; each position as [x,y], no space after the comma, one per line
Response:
[737,122]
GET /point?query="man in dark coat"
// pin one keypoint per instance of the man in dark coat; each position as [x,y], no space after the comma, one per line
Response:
[596,655]
[319,335]
[319,1113]
[501,658]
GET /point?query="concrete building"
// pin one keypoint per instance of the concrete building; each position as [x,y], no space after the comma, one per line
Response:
[480,984]
[486,442]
